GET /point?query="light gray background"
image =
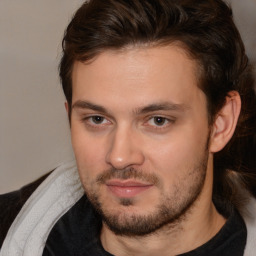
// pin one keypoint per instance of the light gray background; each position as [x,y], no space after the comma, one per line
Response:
[34,132]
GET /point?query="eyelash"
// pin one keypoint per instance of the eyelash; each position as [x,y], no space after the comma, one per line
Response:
[167,121]
[88,121]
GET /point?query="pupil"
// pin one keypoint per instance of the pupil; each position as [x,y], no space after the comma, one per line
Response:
[159,120]
[97,119]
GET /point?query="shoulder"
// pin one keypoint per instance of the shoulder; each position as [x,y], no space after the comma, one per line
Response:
[247,211]
[11,203]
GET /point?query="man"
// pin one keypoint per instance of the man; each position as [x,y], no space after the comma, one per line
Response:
[161,107]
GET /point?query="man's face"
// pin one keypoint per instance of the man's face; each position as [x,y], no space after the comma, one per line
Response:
[140,131]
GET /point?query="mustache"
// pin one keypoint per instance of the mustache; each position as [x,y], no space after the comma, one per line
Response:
[127,173]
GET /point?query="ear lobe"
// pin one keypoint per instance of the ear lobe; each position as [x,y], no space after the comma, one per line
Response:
[225,122]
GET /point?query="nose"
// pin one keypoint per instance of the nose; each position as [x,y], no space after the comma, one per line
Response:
[124,149]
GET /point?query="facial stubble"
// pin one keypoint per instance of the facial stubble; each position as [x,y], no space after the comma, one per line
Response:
[170,211]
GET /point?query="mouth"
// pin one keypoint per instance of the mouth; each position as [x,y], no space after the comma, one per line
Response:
[127,188]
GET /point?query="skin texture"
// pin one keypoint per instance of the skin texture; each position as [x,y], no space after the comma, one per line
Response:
[144,149]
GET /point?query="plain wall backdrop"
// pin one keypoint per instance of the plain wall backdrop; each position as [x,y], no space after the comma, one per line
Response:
[34,131]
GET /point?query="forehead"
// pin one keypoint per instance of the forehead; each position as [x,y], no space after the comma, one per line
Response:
[138,75]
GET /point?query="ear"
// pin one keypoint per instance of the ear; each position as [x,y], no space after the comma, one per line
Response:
[68,112]
[66,107]
[225,122]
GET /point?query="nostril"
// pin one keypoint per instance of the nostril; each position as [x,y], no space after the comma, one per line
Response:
[123,161]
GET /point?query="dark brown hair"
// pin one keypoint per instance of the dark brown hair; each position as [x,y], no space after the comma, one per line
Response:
[206,30]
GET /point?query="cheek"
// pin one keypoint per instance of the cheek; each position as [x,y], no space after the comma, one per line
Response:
[89,151]
[168,159]
[178,153]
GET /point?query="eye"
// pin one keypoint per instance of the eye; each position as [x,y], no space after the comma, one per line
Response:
[158,121]
[97,119]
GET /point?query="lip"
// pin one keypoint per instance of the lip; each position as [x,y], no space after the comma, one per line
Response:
[127,188]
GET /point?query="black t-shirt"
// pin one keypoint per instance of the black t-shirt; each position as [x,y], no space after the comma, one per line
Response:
[77,234]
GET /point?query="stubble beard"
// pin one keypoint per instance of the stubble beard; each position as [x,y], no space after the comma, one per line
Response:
[171,210]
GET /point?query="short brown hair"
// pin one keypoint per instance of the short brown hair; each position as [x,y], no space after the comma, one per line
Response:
[206,30]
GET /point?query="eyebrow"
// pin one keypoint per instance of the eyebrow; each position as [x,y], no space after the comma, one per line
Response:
[164,106]
[88,105]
